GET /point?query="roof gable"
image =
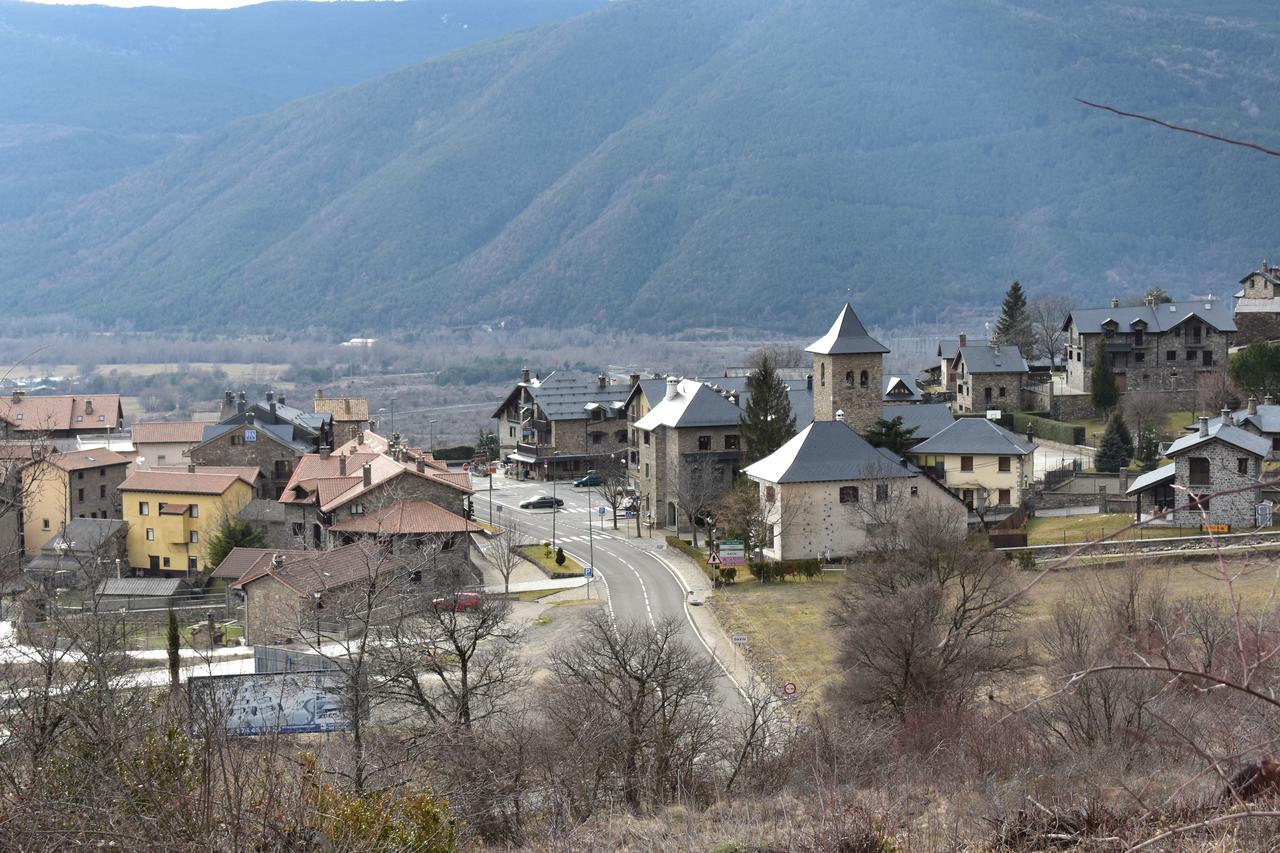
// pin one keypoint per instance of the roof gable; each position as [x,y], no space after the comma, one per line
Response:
[976,437]
[827,451]
[847,336]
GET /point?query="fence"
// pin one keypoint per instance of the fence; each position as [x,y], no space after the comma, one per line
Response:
[1059,475]
[1009,533]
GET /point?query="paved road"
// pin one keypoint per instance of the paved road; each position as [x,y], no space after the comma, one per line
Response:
[638,584]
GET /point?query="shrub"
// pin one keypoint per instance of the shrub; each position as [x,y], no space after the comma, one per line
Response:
[1063,433]
[728,574]
[692,553]
[559,556]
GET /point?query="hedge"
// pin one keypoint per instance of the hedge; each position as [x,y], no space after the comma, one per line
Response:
[461,453]
[783,569]
[728,574]
[1058,431]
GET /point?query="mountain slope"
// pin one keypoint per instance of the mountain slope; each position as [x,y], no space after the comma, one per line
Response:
[673,164]
[91,92]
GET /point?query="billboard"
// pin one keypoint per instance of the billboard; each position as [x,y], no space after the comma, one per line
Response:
[269,702]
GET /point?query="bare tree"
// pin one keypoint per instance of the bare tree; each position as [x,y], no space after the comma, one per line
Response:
[1047,315]
[612,489]
[503,554]
[700,482]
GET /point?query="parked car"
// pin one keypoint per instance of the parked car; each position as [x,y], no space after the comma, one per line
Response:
[593,478]
[458,602]
[542,502]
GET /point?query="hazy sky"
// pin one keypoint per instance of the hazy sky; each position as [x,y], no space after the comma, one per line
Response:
[172,4]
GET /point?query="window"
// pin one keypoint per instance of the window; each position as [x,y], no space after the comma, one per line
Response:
[967,497]
[79,419]
[194,539]
[1003,497]
[1199,471]
[44,524]
[1200,502]
[160,459]
[165,561]
[915,491]
[195,511]
[1171,355]
[620,436]
[966,463]
[1139,357]
[1191,355]
[1275,443]
[1137,337]
[102,491]
[357,508]
[863,379]
[80,495]
[646,438]
[597,437]
[848,494]
[882,492]
[151,534]
[102,472]
[192,564]
[730,442]
[79,475]
[144,508]
[1003,392]
[18,417]
[511,432]
[986,393]
[646,469]
[237,440]
[1005,465]
[770,494]
[1242,466]
[822,374]
[704,442]
[283,469]
[296,528]
[1208,358]
[848,378]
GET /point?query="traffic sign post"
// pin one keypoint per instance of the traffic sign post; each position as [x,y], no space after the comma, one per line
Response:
[789,689]
[600,512]
[587,572]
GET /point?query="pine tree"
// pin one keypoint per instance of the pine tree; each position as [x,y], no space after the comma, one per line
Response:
[1014,326]
[892,435]
[1148,450]
[767,423]
[1103,390]
[232,532]
[1113,454]
[1125,436]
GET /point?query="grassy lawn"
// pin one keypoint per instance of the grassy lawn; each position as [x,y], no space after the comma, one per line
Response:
[1064,529]
[263,371]
[537,555]
[786,623]
[1174,426]
[533,594]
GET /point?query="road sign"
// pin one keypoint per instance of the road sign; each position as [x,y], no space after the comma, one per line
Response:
[466,466]
[726,544]
[499,509]
[587,571]
[713,559]
[599,510]
[739,639]
[732,552]
[251,435]
[789,689]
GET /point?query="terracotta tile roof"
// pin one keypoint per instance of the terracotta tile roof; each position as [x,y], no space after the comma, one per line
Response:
[80,460]
[318,571]
[168,432]
[240,561]
[63,412]
[407,517]
[248,473]
[179,482]
[343,408]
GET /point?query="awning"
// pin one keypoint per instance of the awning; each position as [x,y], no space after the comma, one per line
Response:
[521,457]
[1159,477]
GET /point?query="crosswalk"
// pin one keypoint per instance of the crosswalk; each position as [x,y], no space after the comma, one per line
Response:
[576,538]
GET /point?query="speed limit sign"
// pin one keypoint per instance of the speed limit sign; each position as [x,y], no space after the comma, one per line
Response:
[789,689]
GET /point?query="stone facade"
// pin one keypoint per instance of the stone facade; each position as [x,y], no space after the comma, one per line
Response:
[1168,361]
[853,384]
[1223,463]
[978,392]
[672,456]
[274,459]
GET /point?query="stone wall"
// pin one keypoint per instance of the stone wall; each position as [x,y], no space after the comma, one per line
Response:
[100,487]
[837,386]
[971,392]
[1236,509]
[264,452]
[1155,372]
[1258,327]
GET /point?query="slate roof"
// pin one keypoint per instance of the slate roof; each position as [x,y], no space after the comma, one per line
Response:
[846,336]
[976,437]
[826,452]
[1233,435]
[140,586]
[901,389]
[83,535]
[318,571]
[929,419]
[1158,477]
[286,434]
[168,432]
[1257,306]
[992,359]
[563,397]
[695,404]
[948,348]
[799,394]
[1159,318]
[1267,419]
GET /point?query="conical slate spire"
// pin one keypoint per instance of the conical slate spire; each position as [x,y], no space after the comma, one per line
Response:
[847,336]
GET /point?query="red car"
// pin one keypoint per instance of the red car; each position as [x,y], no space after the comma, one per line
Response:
[458,602]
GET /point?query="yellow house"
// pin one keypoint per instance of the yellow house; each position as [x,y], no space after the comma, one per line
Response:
[980,462]
[63,486]
[171,514]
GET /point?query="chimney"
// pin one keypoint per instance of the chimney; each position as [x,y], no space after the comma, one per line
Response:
[271,395]
[228,399]
[1204,425]
[342,465]
[366,470]
[360,437]
[601,382]
[325,450]
[248,418]
[319,393]
[191,468]
[1226,417]
[733,397]
[1267,400]
[524,375]
[241,405]
[673,387]
[808,381]
[277,561]
[271,404]
[280,399]
[1253,405]
[633,379]
[840,415]
[422,466]
[17,395]
[963,338]
[1115,303]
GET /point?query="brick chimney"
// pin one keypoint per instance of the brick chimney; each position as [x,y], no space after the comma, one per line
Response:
[248,418]
[360,437]
[422,465]
[280,399]
[1204,425]
[673,388]
[17,395]
[277,561]
[271,404]
[366,471]
[325,450]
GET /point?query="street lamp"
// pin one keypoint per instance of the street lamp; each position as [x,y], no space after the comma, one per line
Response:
[551,475]
[431,434]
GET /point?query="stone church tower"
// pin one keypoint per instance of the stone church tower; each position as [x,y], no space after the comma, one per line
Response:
[848,373]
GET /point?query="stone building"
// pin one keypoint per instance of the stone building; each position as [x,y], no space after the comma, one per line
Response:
[989,376]
[688,451]
[1151,347]
[1257,308]
[1260,419]
[1213,460]
[562,426]
[848,372]
[350,414]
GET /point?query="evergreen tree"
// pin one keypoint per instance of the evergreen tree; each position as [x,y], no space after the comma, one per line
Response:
[767,423]
[1148,450]
[232,532]
[1014,326]
[892,435]
[1103,390]
[1126,437]
[1113,454]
